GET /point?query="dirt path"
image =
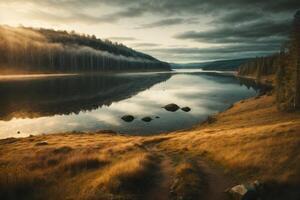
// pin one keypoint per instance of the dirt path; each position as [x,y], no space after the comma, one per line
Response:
[217,181]
[165,178]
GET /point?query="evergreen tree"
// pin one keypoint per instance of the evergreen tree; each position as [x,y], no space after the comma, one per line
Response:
[288,78]
[286,66]
[44,50]
[295,52]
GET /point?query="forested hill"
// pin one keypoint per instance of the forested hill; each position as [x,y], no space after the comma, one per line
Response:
[29,50]
[283,67]
[220,65]
[261,66]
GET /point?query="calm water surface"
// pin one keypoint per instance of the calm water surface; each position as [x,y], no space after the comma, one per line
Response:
[54,104]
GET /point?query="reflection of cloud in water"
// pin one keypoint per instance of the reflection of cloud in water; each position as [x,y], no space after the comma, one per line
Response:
[127,106]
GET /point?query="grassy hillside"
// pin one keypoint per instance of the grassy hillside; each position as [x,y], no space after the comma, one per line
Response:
[250,141]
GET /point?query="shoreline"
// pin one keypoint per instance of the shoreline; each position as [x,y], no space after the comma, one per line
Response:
[31,76]
[16,76]
[267,81]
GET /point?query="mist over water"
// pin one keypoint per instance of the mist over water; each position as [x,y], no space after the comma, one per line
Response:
[91,103]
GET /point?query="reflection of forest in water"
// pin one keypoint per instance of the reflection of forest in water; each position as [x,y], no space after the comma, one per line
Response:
[257,86]
[225,78]
[71,94]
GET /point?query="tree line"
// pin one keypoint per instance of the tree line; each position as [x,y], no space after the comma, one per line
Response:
[260,66]
[44,50]
[285,66]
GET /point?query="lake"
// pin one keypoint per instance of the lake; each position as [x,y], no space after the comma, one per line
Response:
[54,104]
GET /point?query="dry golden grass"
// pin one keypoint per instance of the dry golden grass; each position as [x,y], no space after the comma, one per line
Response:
[18,182]
[128,178]
[27,169]
[77,164]
[252,140]
[189,182]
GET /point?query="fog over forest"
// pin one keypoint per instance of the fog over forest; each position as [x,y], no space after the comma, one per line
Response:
[42,50]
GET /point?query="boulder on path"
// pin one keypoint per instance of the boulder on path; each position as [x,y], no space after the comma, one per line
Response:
[172,107]
[128,118]
[186,109]
[147,119]
[245,191]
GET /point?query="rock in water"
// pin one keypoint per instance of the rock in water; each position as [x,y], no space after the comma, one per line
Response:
[147,119]
[186,109]
[171,107]
[128,118]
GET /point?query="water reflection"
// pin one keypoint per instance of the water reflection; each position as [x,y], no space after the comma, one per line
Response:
[93,103]
[257,86]
[71,94]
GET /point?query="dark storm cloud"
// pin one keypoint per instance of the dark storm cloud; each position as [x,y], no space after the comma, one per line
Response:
[168,22]
[256,31]
[134,8]
[176,7]
[218,50]
[243,27]
[128,13]
[215,53]
[239,16]
[205,56]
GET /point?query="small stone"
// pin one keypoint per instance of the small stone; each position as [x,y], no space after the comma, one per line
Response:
[157,117]
[128,118]
[186,109]
[147,119]
[18,132]
[171,107]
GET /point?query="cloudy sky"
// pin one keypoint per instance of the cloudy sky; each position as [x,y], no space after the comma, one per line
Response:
[171,30]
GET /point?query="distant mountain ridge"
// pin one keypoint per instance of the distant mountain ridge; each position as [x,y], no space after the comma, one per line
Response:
[220,65]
